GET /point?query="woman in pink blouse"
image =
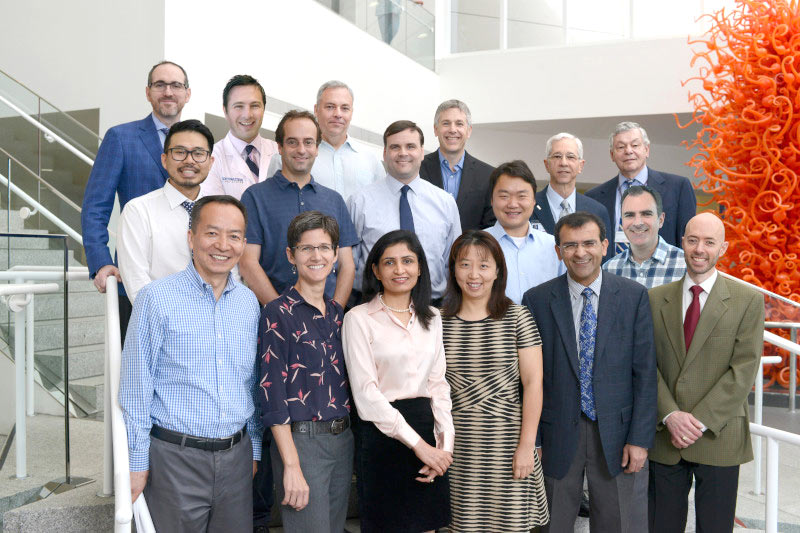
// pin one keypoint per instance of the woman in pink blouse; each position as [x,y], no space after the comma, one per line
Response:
[395,360]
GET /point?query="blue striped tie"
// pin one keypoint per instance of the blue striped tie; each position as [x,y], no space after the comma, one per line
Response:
[250,163]
[587,335]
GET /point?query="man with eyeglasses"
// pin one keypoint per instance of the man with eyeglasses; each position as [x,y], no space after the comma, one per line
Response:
[599,387]
[272,204]
[128,164]
[630,148]
[151,240]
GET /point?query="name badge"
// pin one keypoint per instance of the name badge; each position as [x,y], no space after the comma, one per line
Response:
[230,179]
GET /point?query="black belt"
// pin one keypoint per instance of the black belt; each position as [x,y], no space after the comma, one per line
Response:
[211,445]
[334,427]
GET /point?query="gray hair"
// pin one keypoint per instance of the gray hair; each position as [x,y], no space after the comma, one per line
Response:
[333,84]
[450,104]
[558,137]
[627,126]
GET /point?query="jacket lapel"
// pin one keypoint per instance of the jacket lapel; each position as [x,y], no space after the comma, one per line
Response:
[561,307]
[671,314]
[606,314]
[434,168]
[712,311]
[466,178]
[151,141]
[543,213]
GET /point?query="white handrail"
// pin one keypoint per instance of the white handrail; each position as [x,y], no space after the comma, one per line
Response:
[79,274]
[42,210]
[758,415]
[760,289]
[47,131]
[773,436]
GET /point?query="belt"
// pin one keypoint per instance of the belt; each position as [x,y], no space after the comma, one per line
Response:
[211,445]
[334,427]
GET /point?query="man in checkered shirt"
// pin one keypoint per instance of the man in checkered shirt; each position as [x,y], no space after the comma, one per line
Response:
[649,259]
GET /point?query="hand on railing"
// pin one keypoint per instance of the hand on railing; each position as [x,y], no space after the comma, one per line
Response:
[103,274]
[138,483]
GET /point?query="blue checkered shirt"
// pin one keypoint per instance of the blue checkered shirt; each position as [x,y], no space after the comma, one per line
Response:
[189,363]
[664,266]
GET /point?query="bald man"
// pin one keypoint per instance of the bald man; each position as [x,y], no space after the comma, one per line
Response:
[709,334]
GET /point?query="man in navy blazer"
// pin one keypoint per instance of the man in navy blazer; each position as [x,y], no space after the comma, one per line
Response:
[451,168]
[630,148]
[128,163]
[599,366]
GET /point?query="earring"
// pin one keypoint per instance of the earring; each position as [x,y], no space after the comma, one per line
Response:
[334,269]
[294,269]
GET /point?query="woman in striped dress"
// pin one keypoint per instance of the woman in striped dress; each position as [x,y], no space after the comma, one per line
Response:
[494,368]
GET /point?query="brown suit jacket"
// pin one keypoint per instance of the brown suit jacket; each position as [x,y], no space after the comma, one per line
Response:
[713,379]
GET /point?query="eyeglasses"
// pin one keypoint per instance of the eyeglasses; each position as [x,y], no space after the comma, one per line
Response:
[308,249]
[198,154]
[161,86]
[558,157]
[572,247]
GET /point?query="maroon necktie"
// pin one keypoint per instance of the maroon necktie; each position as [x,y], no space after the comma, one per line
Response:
[692,316]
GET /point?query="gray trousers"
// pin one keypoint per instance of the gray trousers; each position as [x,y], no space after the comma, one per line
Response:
[618,503]
[196,490]
[327,464]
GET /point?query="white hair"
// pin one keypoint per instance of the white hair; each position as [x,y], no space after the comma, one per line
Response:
[627,126]
[558,137]
[333,84]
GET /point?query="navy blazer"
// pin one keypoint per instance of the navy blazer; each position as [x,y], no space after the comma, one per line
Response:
[677,196]
[474,198]
[128,163]
[624,378]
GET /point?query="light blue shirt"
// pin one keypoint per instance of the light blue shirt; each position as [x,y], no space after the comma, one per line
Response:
[375,211]
[641,177]
[555,199]
[577,301]
[159,126]
[189,363]
[530,264]
[451,179]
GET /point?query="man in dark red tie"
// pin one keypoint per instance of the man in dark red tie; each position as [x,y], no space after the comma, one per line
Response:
[709,335]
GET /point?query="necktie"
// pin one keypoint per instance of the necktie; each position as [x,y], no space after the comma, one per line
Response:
[587,334]
[188,205]
[692,316]
[564,209]
[406,219]
[165,131]
[620,247]
[250,163]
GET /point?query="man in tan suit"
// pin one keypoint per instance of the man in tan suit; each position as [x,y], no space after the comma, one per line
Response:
[709,334]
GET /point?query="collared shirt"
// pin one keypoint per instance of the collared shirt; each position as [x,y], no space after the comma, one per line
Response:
[160,126]
[555,199]
[302,374]
[230,174]
[189,363]
[387,361]
[151,240]
[576,299]
[375,211]
[271,205]
[666,265]
[688,283]
[346,169]
[451,179]
[641,177]
[529,264]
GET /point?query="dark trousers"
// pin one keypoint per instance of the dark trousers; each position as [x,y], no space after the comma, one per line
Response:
[263,493]
[125,309]
[714,496]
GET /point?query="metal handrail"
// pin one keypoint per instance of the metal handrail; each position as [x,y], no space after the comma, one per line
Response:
[761,290]
[773,436]
[44,182]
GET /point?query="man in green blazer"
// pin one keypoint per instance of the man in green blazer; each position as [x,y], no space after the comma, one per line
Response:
[709,334]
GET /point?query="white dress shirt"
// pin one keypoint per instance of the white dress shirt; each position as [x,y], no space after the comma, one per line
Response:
[688,283]
[375,211]
[555,199]
[230,174]
[152,240]
[346,169]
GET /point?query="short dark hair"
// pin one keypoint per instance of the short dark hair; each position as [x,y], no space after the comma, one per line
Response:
[226,199]
[498,301]
[311,220]
[241,80]
[578,220]
[154,67]
[638,190]
[189,125]
[371,286]
[293,115]
[402,125]
[516,169]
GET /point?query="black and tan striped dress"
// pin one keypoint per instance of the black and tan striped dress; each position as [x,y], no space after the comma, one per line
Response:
[483,373]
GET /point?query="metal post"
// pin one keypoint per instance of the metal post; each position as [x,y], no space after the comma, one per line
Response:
[792,371]
[757,415]
[772,486]
[8,205]
[67,476]
[19,362]
[29,387]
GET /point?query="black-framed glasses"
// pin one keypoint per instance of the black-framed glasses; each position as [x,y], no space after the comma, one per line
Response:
[198,154]
[161,86]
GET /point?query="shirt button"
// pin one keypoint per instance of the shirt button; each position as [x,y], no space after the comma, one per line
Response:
[302,203]
[219,361]
[219,335]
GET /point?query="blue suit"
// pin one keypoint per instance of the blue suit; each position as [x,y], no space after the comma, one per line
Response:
[128,163]
[677,196]
[624,377]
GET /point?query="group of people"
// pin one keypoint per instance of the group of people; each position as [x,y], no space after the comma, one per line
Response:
[498,350]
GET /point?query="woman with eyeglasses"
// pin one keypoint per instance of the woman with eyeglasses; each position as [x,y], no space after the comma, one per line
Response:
[494,367]
[395,360]
[303,390]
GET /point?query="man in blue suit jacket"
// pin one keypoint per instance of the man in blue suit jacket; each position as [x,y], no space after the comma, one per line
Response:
[128,163]
[630,148]
[599,408]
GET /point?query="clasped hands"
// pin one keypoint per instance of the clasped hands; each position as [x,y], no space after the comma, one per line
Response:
[684,429]
[436,461]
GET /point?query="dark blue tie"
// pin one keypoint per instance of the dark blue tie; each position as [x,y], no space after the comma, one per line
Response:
[165,131]
[250,163]
[406,218]
[587,335]
[188,205]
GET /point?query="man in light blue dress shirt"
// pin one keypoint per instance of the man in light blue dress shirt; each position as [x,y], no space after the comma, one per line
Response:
[376,209]
[530,254]
[187,379]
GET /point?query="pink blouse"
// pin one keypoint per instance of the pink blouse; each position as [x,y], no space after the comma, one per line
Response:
[387,361]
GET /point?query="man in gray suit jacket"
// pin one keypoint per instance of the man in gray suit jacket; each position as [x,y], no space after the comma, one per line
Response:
[599,410]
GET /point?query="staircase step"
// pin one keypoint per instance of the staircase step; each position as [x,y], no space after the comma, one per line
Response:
[51,306]
[49,334]
[79,509]
[84,361]
[35,257]
[90,389]
[25,243]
